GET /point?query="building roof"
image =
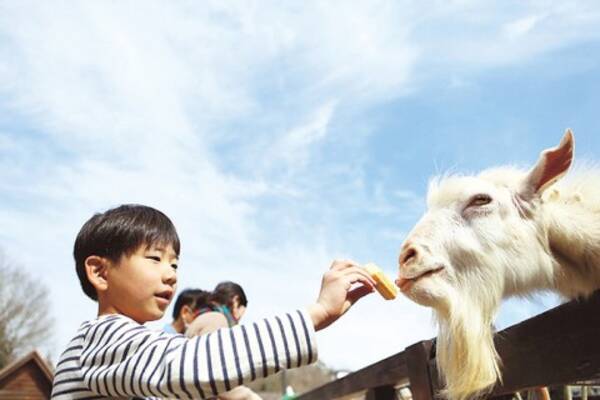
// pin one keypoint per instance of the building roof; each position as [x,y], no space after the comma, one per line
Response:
[29,373]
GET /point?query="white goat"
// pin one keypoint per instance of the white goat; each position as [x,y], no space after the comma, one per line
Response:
[503,232]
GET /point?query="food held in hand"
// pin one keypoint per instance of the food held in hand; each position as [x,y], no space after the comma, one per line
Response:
[384,285]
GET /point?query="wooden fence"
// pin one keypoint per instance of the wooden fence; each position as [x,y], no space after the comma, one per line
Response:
[560,346]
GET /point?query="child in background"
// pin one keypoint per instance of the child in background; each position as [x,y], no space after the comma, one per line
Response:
[189,304]
[227,304]
[126,259]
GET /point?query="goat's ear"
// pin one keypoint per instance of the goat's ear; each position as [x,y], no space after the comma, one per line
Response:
[551,166]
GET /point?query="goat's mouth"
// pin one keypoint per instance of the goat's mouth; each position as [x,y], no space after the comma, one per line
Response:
[406,283]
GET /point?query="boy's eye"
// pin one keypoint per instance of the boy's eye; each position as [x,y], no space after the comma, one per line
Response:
[155,258]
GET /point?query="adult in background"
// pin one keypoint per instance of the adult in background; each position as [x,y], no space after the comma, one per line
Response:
[189,304]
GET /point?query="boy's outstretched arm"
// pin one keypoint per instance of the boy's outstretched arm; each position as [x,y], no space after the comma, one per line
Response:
[342,286]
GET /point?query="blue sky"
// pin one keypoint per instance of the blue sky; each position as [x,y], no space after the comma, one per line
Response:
[277,137]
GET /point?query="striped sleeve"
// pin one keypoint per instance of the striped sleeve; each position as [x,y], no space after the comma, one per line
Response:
[120,359]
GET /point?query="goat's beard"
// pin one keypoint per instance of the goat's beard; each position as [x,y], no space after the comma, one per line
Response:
[466,357]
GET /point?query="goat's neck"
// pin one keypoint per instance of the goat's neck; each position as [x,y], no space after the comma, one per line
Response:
[573,232]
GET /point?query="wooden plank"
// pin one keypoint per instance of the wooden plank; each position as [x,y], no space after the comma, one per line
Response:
[559,346]
[381,393]
[390,371]
[417,359]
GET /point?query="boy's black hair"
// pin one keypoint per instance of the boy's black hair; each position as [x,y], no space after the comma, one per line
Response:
[193,298]
[224,292]
[121,231]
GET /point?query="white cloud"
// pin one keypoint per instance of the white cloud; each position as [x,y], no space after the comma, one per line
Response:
[296,146]
[458,83]
[521,26]
[467,36]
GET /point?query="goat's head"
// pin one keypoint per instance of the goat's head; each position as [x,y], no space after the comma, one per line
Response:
[477,231]
[480,240]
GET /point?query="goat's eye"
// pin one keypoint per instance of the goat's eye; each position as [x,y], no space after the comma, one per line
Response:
[480,200]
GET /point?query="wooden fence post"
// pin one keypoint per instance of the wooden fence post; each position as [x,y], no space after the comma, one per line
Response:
[568,395]
[417,361]
[584,392]
[381,393]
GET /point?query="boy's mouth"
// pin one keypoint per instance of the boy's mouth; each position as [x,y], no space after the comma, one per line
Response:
[167,294]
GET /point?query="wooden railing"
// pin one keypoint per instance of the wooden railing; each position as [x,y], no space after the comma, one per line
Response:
[560,346]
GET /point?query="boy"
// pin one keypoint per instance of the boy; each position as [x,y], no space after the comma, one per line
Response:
[126,260]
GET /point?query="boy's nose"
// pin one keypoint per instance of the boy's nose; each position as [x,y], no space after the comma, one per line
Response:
[170,277]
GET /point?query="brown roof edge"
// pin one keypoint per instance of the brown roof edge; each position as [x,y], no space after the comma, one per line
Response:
[33,356]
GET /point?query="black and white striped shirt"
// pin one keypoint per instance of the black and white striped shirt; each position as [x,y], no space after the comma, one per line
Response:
[115,357]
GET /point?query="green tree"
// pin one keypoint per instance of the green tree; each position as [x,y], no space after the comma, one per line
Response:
[25,322]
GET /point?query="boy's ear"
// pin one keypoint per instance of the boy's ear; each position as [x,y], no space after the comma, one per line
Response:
[96,268]
[187,313]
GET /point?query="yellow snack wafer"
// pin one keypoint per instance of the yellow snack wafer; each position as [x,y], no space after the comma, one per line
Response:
[384,285]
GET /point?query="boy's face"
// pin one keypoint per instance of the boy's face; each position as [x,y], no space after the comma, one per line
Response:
[142,285]
[237,310]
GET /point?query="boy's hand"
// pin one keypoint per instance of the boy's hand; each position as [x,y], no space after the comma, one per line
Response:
[339,292]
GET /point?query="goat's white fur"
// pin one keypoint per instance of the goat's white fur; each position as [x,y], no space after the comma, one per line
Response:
[534,235]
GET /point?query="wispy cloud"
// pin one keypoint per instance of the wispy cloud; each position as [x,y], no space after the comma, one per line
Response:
[295,147]
[521,26]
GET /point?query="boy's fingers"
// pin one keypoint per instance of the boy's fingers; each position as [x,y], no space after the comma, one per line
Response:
[359,276]
[360,272]
[357,293]
[350,267]
[339,265]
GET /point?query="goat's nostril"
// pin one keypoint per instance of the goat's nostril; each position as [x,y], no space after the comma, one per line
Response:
[408,255]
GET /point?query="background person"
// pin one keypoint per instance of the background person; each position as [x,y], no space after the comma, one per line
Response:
[189,304]
[228,304]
